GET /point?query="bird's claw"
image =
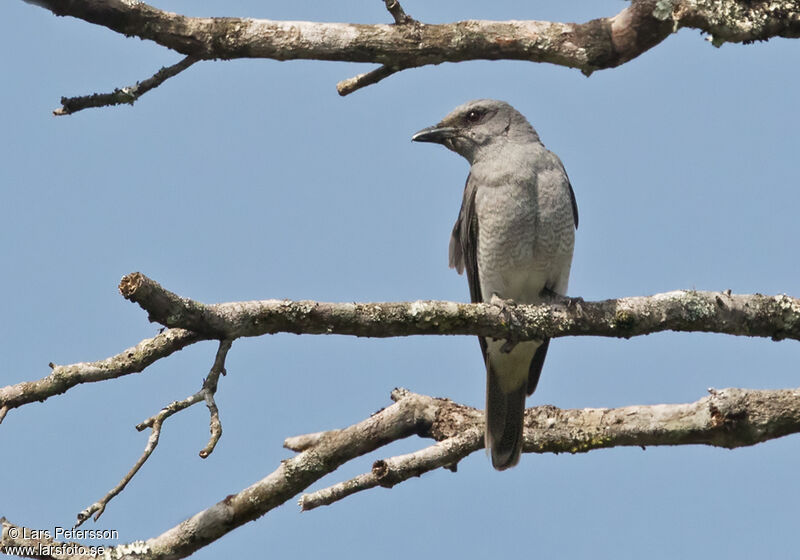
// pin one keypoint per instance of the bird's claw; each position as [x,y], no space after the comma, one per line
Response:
[505,306]
[497,301]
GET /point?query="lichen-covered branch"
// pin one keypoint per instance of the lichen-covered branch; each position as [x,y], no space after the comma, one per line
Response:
[589,46]
[63,378]
[725,418]
[774,317]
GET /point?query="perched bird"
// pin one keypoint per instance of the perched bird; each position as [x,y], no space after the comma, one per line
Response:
[514,236]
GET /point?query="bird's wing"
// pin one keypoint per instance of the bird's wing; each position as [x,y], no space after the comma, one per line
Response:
[464,246]
[464,241]
[573,201]
[456,249]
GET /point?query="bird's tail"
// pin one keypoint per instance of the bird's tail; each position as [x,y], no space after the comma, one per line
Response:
[504,421]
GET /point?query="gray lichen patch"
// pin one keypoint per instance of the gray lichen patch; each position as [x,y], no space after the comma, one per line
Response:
[696,307]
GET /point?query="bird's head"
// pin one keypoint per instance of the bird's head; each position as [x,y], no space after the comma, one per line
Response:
[479,126]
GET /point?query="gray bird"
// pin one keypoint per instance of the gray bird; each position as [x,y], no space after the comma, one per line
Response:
[514,236]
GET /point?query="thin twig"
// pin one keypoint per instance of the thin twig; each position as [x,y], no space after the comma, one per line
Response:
[209,388]
[99,506]
[388,472]
[215,427]
[156,421]
[399,15]
[355,83]
[124,95]
[169,410]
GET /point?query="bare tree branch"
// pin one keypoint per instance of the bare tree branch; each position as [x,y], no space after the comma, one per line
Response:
[99,506]
[208,391]
[127,95]
[725,418]
[306,441]
[593,45]
[399,15]
[156,421]
[388,472]
[30,543]
[367,79]
[63,378]
[776,317]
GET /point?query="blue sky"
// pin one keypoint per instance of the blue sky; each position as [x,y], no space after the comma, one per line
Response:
[253,180]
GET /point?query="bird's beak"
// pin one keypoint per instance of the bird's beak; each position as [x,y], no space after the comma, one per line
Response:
[437,134]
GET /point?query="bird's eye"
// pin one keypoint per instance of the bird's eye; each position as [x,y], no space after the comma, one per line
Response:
[474,116]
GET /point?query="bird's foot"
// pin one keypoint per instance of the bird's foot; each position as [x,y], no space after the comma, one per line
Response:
[506,306]
[501,302]
[548,294]
[552,296]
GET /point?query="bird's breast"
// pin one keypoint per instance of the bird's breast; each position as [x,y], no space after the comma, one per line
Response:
[525,239]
